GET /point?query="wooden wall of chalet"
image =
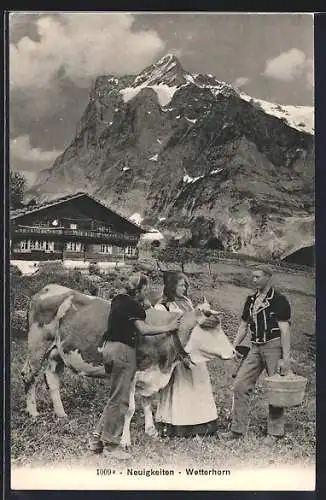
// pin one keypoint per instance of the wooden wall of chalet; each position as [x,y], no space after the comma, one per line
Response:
[83,211]
[75,229]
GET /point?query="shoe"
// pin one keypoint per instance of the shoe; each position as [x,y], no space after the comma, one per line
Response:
[95,445]
[231,435]
[270,440]
[164,432]
[117,453]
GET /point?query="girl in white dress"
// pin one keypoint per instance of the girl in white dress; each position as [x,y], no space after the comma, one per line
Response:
[186,406]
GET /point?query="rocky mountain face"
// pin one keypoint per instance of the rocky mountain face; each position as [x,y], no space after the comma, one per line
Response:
[196,157]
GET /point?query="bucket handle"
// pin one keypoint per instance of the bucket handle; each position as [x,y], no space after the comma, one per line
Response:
[290,372]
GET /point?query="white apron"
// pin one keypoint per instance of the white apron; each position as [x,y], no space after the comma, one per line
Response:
[188,398]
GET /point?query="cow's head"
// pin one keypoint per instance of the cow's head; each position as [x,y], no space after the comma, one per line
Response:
[208,342]
[207,309]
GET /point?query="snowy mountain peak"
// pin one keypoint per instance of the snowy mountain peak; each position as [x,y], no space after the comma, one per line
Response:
[167,76]
[190,148]
[168,59]
[167,70]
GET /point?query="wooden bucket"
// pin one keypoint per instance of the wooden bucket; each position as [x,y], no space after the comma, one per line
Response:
[285,391]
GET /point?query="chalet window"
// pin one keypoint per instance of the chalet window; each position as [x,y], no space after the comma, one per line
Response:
[73,246]
[35,245]
[24,245]
[130,250]
[73,226]
[106,249]
[105,229]
[48,246]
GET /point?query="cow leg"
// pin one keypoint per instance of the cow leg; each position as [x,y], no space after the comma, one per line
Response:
[52,377]
[29,380]
[125,441]
[31,407]
[150,429]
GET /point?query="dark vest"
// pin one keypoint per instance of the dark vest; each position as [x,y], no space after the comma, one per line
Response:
[264,324]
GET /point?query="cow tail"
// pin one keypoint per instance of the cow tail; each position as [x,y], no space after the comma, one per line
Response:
[28,375]
[27,318]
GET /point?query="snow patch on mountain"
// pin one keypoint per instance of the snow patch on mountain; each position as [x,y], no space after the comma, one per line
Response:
[152,235]
[298,117]
[189,78]
[136,217]
[154,158]
[164,92]
[189,180]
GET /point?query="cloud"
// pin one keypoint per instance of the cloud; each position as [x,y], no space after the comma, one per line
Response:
[310,76]
[241,81]
[81,47]
[289,66]
[21,149]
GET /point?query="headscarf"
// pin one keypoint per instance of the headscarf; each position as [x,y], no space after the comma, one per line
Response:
[136,283]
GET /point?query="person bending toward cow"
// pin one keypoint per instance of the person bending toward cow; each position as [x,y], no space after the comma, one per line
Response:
[125,323]
[267,313]
[186,406]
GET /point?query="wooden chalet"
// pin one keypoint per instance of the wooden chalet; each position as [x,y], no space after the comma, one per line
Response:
[72,227]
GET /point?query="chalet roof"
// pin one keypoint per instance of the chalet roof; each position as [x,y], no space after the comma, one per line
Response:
[15,214]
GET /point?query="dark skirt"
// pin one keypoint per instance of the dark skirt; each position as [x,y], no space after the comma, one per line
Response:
[187,431]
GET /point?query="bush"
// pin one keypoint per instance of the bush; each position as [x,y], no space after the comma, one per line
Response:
[185,255]
[145,266]
[22,288]
[94,269]
[18,325]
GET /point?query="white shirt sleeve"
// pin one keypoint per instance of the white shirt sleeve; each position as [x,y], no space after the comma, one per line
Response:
[160,307]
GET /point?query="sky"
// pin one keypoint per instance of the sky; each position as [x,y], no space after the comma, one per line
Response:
[54,58]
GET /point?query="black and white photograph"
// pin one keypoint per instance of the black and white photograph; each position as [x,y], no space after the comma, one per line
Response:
[162,251]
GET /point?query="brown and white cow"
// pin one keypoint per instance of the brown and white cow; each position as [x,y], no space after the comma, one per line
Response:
[66,328]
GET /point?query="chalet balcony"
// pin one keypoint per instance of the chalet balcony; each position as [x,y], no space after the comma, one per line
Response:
[76,234]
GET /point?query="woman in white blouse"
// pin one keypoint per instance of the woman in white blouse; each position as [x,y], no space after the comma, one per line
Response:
[186,406]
